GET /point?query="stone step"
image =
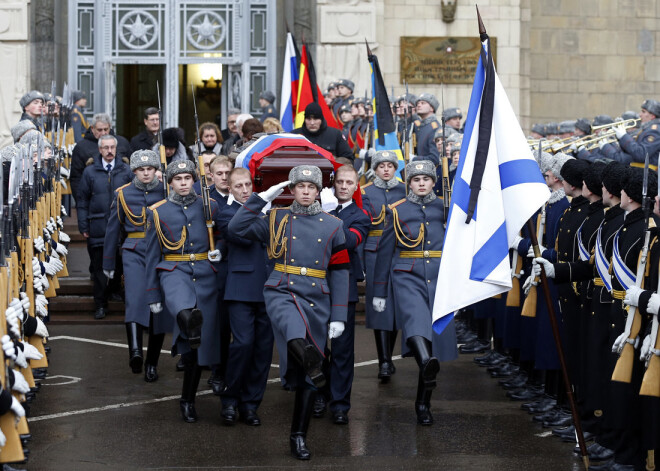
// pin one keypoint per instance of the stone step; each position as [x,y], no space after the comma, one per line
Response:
[67,309]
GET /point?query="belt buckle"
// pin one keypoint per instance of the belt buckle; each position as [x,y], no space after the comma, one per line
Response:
[426,254]
[193,257]
[303,271]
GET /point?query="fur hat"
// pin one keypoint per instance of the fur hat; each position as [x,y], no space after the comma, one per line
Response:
[539,129]
[430,99]
[346,83]
[633,180]
[384,156]
[611,176]
[566,127]
[144,158]
[451,113]
[584,125]
[573,171]
[602,119]
[8,153]
[551,128]
[420,167]
[29,97]
[306,173]
[593,178]
[652,106]
[268,96]
[20,128]
[181,166]
[170,138]
[78,95]
[557,162]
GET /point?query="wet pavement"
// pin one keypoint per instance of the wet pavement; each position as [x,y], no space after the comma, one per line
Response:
[92,413]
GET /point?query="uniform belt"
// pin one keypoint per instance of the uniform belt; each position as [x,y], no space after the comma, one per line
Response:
[641,165]
[188,257]
[616,294]
[135,235]
[300,270]
[598,282]
[376,232]
[420,254]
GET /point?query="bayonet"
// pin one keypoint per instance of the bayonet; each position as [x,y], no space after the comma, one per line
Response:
[161,147]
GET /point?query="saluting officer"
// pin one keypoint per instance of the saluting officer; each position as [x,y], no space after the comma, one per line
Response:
[377,195]
[307,292]
[181,274]
[409,260]
[128,216]
[251,351]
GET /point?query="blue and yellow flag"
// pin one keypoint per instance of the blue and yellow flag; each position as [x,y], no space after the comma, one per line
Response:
[384,133]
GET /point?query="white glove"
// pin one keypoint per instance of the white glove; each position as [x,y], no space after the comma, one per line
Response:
[31,352]
[274,191]
[64,238]
[65,172]
[516,241]
[328,199]
[63,183]
[528,284]
[362,154]
[12,322]
[60,223]
[39,244]
[369,175]
[3,439]
[50,268]
[619,342]
[51,225]
[620,131]
[40,303]
[215,255]
[547,266]
[17,309]
[56,263]
[46,234]
[530,252]
[632,296]
[581,148]
[573,148]
[20,359]
[20,385]
[44,282]
[602,143]
[36,267]
[156,307]
[36,283]
[109,274]
[379,304]
[8,347]
[25,302]
[17,408]
[63,211]
[41,331]
[646,348]
[335,329]
[654,304]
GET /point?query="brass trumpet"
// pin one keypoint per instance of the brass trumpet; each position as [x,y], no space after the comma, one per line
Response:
[627,123]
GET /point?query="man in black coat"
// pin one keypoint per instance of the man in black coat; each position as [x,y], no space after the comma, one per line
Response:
[317,131]
[88,148]
[105,173]
[147,138]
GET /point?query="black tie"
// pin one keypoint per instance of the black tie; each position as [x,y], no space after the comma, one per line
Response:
[338,208]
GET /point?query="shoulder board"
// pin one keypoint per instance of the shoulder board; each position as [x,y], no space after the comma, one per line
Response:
[654,126]
[332,216]
[125,160]
[397,203]
[211,199]
[366,186]
[650,138]
[651,223]
[90,161]
[434,124]
[417,122]
[156,205]
[122,187]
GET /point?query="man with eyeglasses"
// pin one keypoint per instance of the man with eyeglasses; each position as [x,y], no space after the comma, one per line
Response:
[103,175]
[147,138]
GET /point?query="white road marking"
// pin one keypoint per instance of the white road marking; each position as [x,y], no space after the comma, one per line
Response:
[544,434]
[69,380]
[123,405]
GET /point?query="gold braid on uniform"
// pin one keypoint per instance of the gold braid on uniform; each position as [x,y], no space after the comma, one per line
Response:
[380,218]
[137,221]
[401,237]
[164,241]
[277,245]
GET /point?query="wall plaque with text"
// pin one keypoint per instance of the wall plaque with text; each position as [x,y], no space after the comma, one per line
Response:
[441,59]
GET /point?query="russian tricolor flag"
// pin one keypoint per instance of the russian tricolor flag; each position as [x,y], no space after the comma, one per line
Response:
[289,85]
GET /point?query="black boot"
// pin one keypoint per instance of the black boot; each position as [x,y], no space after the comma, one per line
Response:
[309,358]
[423,401]
[134,335]
[428,365]
[190,324]
[384,355]
[191,376]
[302,412]
[153,352]
[393,335]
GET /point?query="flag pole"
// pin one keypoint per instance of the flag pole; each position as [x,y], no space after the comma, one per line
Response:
[560,350]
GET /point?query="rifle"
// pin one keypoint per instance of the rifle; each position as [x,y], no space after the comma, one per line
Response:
[206,199]
[161,147]
[409,149]
[446,185]
[529,306]
[626,349]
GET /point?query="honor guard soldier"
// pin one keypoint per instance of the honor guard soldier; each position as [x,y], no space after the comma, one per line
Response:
[582,127]
[251,351]
[128,216]
[452,117]
[181,275]
[78,120]
[307,292]
[583,153]
[538,131]
[645,141]
[409,260]
[425,128]
[32,104]
[268,110]
[377,196]
[345,89]
[356,227]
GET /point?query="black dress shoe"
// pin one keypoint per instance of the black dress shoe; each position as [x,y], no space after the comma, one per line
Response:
[188,411]
[385,372]
[612,466]
[596,452]
[135,361]
[549,415]
[476,346]
[180,366]
[39,373]
[299,447]
[544,404]
[320,406]
[526,394]
[150,373]
[424,416]
[562,421]
[251,418]
[340,417]
[229,414]
[562,432]
[100,313]
[116,297]
[515,382]
[218,385]
[505,371]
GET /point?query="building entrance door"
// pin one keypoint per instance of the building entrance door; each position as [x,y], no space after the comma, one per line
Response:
[135,92]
